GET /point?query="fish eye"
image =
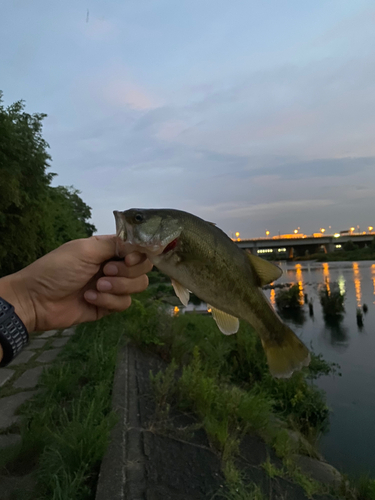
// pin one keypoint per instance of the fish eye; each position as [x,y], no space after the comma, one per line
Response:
[138,217]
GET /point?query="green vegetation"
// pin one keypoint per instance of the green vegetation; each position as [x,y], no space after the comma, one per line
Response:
[332,300]
[288,298]
[66,427]
[349,252]
[34,216]
[223,380]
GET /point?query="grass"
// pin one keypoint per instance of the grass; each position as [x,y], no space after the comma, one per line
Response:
[66,426]
[225,382]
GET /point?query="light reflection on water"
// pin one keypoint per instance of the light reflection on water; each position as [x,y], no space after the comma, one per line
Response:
[350,442]
[357,283]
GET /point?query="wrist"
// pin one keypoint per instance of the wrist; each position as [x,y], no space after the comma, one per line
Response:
[14,291]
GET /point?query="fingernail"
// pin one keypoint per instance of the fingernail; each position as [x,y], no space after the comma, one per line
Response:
[91,295]
[104,285]
[111,269]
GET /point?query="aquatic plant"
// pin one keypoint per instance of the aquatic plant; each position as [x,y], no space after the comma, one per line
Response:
[288,298]
[332,299]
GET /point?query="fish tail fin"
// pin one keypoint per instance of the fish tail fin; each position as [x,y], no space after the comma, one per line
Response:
[286,354]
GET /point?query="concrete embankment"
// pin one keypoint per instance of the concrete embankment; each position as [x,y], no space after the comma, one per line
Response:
[146,461]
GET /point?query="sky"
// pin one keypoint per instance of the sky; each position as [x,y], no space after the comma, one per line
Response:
[253,115]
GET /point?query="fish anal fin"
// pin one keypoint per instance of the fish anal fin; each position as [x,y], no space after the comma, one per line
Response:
[226,323]
[182,292]
[266,271]
[286,355]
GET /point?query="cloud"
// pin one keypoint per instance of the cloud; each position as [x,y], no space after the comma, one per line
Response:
[120,92]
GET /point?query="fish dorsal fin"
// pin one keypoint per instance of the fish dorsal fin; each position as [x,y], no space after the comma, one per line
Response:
[182,293]
[227,324]
[265,271]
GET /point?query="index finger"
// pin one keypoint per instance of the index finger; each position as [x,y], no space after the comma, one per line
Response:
[134,258]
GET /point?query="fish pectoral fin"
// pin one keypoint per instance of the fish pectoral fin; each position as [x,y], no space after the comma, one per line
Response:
[182,292]
[226,323]
[265,271]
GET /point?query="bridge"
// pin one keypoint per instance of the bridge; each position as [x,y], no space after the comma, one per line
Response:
[299,245]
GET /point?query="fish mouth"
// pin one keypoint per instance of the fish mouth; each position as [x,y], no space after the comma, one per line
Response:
[121,230]
[153,246]
[124,234]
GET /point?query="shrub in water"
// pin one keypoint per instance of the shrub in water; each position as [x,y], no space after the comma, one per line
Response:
[332,300]
[288,299]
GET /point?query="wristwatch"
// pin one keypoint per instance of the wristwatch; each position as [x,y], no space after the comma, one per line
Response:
[13,333]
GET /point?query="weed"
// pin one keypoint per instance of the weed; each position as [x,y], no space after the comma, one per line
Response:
[332,300]
[288,298]
[66,426]
[271,469]
[164,387]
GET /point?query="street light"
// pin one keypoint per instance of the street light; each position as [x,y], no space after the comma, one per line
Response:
[267,233]
[352,229]
[295,231]
[322,230]
[370,228]
[237,234]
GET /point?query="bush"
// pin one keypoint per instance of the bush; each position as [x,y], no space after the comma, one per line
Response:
[332,300]
[349,246]
[288,299]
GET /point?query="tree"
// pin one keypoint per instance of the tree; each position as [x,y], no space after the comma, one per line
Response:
[32,213]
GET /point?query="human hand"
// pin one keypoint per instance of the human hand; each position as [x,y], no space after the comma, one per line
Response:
[75,283]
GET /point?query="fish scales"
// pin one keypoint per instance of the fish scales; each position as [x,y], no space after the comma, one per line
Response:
[199,257]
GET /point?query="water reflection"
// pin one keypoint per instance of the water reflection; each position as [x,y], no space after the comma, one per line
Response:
[293,315]
[335,334]
[300,283]
[273,296]
[357,283]
[326,275]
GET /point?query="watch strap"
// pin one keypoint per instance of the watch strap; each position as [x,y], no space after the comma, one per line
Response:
[13,333]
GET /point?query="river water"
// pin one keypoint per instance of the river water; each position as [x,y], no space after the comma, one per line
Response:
[349,444]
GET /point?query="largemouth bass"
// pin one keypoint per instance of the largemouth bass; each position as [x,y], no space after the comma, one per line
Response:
[200,258]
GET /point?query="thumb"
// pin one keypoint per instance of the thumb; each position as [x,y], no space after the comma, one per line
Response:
[101,248]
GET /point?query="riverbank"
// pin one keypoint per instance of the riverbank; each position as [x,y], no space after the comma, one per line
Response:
[340,256]
[220,403]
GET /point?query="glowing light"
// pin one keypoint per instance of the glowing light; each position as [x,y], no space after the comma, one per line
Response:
[326,276]
[322,230]
[295,231]
[341,282]
[370,228]
[238,239]
[265,250]
[209,310]
[267,233]
[273,297]
[300,282]
[336,235]
[176,310]
[338,246]
[357,283]
[237,234]
[352,229]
